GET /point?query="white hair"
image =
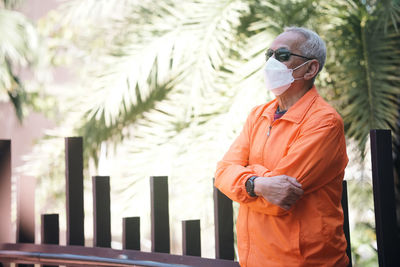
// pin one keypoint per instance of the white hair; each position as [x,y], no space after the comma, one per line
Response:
[313,47]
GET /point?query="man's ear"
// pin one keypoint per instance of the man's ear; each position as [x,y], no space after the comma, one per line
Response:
[312,70]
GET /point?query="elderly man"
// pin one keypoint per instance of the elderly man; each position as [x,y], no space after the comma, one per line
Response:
[287,165]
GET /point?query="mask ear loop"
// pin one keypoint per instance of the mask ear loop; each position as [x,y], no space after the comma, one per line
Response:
[298,68]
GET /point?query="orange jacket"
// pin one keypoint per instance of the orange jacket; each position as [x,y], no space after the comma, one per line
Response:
[307,143]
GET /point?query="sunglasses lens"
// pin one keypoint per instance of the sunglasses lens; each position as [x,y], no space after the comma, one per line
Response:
[269,54]
[282,55]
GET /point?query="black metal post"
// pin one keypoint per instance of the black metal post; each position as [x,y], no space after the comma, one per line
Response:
[5,191]
[384,201]
[223,216]
[191,240]
[74,190]
[25,210]
[346,227]
[101,210]
[159,214]
[50,231]
[131,233]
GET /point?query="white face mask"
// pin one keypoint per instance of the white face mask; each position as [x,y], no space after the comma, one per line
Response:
[278,77]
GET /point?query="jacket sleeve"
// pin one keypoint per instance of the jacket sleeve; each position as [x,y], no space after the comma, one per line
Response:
[233,171]
[317,156]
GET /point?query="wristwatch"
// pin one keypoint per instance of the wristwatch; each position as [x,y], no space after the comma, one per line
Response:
[250,186]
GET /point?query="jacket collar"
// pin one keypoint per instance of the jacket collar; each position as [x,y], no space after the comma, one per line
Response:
[296,112]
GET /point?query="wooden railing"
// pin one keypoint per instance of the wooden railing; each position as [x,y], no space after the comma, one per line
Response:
[76,254]
[101,254]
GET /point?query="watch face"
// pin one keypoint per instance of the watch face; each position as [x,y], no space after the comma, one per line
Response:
[249,186]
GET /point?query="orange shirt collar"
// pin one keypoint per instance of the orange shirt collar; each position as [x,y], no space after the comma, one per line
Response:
[297,111]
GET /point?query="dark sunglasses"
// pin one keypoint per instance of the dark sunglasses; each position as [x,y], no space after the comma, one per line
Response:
[282,54]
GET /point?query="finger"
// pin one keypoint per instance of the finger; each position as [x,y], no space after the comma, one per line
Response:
[294,182]
[296,190]
[299,191]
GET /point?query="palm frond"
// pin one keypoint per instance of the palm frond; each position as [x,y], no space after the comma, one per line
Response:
[273,16]
[85,12]
[388,14]
[364,71]
[96,130]
[140,55]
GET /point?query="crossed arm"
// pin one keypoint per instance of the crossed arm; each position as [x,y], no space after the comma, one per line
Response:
[315,158]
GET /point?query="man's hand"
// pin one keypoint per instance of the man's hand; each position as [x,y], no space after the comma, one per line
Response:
[281,190]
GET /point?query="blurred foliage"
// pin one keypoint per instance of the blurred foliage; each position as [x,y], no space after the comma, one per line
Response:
[18,49]
[364,63]
[163,87]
